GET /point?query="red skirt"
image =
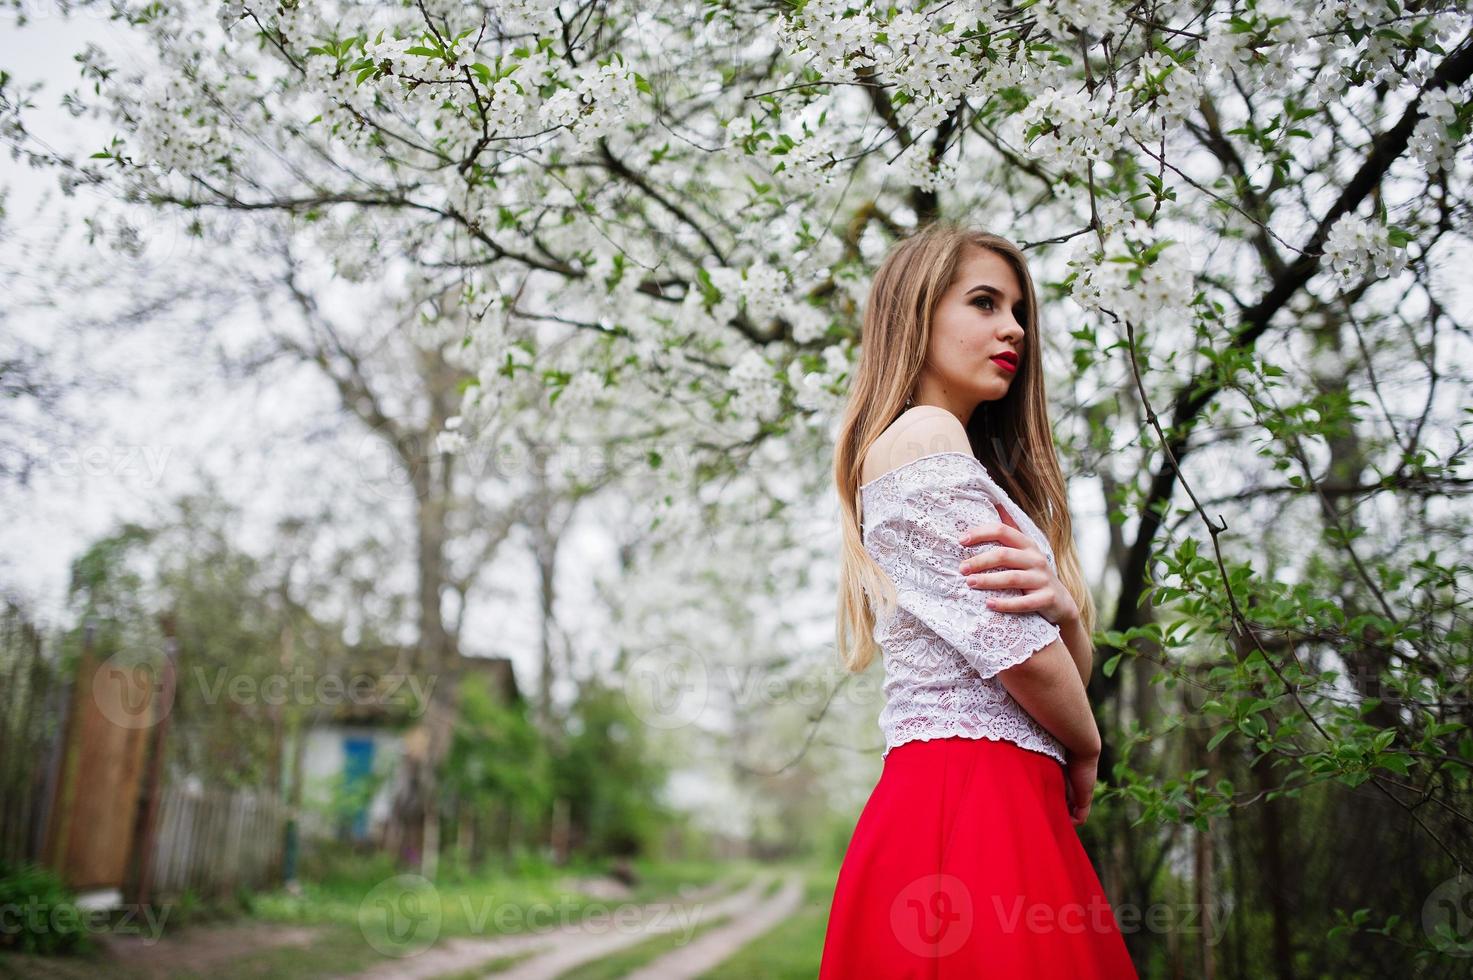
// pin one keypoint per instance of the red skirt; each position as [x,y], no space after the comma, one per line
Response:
[964,864]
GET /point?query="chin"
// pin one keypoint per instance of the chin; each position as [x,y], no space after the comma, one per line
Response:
[992,394]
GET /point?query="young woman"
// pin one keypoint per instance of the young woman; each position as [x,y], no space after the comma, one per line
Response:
[959,566]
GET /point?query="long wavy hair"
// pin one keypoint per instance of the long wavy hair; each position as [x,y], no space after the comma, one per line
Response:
[1012,436]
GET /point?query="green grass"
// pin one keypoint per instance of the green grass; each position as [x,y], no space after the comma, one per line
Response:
[493,904]
[658,883]
[334,950]
[627,960]
[498,903]
[661,880]
[490,966]
[793,949]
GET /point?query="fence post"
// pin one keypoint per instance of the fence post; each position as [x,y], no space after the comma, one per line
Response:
[146,831]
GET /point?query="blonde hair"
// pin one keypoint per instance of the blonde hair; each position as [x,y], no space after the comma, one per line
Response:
[893,340]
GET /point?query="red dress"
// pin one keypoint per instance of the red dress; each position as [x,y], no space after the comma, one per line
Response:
[964,862]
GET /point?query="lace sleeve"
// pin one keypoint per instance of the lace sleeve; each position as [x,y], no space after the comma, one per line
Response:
[920,550]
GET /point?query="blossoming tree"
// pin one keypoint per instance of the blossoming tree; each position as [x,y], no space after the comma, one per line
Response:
[660,217]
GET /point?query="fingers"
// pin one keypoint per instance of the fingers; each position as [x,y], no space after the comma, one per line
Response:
[1013,578]
[1001,533]
[1029,557]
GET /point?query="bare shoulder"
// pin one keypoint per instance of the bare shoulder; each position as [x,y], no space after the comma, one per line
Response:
[920,431]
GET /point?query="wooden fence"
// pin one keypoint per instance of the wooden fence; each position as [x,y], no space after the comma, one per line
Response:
[33,707]
[83,787]
[212,841]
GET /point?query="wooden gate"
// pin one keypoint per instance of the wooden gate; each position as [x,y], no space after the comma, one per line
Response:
[110,723]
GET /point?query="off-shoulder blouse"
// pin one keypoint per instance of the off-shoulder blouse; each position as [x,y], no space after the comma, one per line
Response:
[942,646]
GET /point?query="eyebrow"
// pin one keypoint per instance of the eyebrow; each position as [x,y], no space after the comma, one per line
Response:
[983,287]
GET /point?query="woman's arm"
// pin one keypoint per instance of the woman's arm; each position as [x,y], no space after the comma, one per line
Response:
[1047,685]
[1080,648]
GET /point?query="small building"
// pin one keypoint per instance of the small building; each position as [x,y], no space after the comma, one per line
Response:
[351,757]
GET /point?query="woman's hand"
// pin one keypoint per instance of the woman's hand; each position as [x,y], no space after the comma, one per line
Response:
[1081,773]
[1017,563]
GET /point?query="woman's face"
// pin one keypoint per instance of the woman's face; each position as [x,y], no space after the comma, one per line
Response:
[977,324]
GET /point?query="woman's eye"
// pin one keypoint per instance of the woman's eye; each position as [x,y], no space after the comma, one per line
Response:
[983,299]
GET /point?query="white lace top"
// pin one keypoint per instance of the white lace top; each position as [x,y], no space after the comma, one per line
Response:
[942,645]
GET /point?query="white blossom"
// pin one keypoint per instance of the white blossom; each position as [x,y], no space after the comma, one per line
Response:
[915,168]
[1161,294]
[450,442]
[764,289]
[1096,17]
[758,395]
[230,12]
[604,98]
[739,129]
[1179,92]
[1432,141]
[1080,128]
[527,16]
[1355,246]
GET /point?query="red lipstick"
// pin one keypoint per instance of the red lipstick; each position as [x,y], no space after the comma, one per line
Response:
[1006,360]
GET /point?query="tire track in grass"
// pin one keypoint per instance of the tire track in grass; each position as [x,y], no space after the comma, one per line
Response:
[471,956]
[720,944]
[578,947]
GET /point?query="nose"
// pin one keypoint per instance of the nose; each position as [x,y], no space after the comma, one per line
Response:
[1011,331]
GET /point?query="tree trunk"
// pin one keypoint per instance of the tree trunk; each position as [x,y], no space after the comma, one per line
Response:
[414,835]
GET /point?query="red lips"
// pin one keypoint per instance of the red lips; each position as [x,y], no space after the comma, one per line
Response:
[1006,360]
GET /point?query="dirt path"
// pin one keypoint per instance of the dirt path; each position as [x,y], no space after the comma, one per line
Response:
[722,942]
[591,946]
[565,947]
[199,950]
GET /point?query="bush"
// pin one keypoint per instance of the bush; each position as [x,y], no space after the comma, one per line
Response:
[38,913]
